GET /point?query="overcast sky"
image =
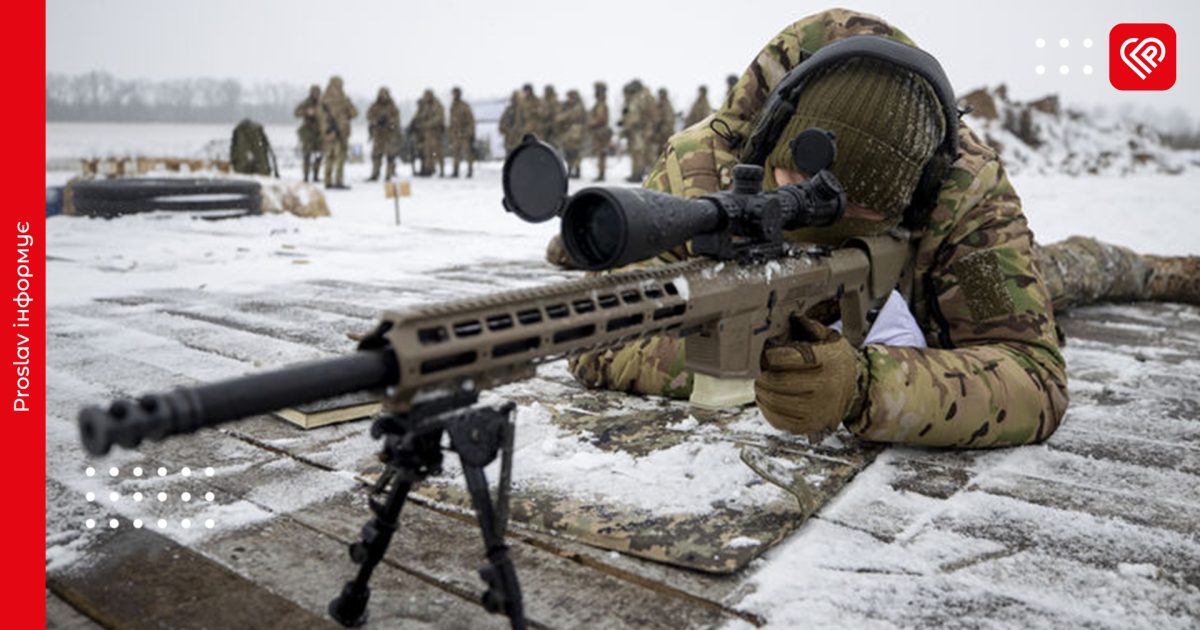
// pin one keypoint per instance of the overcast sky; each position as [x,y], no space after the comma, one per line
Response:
[492,46]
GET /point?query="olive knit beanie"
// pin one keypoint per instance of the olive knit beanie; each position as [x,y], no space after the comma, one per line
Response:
[887,124]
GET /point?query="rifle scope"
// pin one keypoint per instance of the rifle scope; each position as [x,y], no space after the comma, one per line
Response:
[607,227]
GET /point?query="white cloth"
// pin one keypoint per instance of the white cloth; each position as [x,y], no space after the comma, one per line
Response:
[894,326]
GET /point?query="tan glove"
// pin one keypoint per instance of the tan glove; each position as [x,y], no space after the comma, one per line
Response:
[811,383]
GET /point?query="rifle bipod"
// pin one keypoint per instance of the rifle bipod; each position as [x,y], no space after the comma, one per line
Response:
[412,451]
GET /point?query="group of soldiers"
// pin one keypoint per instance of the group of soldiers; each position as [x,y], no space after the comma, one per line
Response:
[560,124]
[646,122]
[325,134]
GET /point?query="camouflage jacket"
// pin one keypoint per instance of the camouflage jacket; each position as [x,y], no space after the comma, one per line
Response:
[570,120]
[699,111]
[597,124]
[383,125]
[308,111]
[640,114]
[462,121]
[431,117]
[993,374]
[336,112]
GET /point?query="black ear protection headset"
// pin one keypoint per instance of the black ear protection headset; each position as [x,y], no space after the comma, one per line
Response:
[809,147]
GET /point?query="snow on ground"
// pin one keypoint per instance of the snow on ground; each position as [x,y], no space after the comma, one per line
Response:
[839,567]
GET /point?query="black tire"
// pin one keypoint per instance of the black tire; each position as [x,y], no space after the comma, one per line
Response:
[143,188]
[115,197]
[112,208]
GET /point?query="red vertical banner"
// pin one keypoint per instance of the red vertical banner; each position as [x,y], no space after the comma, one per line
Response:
[23,233]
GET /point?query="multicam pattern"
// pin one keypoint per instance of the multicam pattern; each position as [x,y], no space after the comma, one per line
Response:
[993,375]
[599,132]
[724,538]
[334,113]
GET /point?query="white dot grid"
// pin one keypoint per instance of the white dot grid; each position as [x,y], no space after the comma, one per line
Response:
[1063,42]
[138,523]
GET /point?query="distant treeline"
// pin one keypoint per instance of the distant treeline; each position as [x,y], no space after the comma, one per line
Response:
[101,97]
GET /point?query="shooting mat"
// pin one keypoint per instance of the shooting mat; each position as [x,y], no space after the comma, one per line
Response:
[654,478]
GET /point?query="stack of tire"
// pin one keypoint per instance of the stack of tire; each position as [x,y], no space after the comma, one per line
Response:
[213,198]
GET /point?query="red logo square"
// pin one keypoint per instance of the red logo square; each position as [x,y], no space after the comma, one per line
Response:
[1141,57]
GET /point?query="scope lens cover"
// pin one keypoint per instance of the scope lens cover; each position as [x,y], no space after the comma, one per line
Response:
[535,181]
[813,150]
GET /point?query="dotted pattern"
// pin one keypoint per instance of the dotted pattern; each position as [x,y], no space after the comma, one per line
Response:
[138,472]
[1064,69]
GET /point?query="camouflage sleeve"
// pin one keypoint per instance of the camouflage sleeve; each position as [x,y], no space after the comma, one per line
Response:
[998,378]
[652,366]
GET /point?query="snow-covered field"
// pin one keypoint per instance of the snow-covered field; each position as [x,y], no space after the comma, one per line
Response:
[449,221]
[829,574]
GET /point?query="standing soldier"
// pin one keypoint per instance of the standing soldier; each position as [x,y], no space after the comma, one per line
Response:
[638,117]
[336,113]
[664,124]
[700,109]
[510,125]
[308,111]
[528,112]
[598,128]
[569,124]
[548,116]
[432,128]
[462,133]
[413,136]
[383,128]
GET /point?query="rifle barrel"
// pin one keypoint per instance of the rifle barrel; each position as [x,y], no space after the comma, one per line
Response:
[186,409]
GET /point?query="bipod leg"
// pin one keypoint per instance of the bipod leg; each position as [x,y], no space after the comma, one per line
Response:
[412,453]
[476,436]
[350,608]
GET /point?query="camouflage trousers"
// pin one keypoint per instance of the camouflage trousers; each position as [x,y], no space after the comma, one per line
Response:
[335,162]
[1077,271]
[461,150]
[639,156]
[1082,270]
[600,148]
[431,152]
